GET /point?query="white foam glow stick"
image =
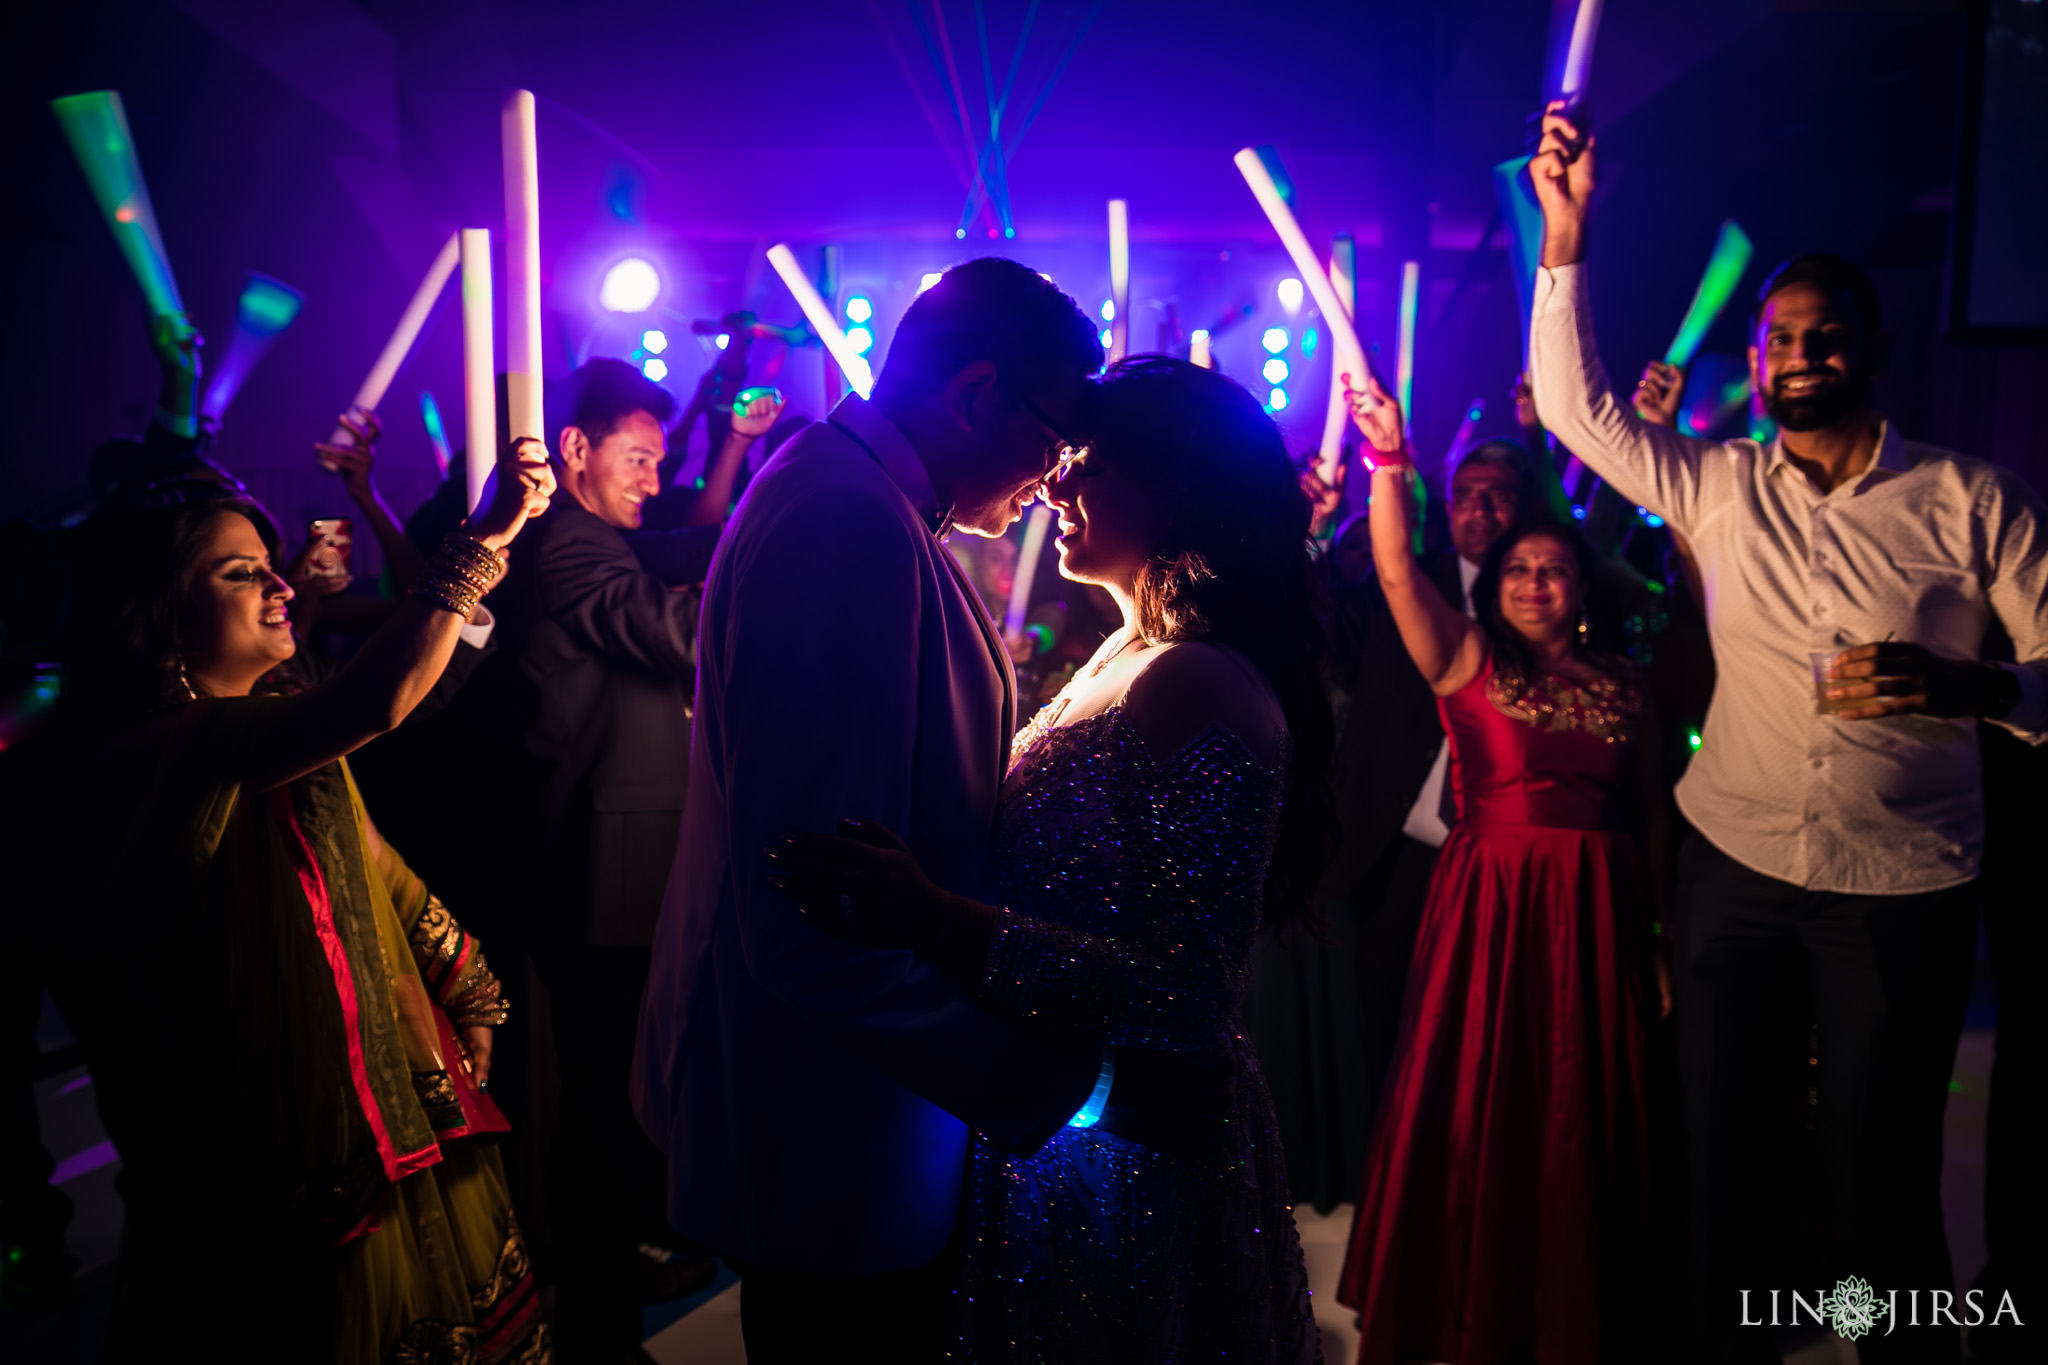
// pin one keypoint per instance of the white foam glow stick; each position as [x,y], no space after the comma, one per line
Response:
[1027,570]
[522,267]
[851,363]
[1578,57]
[410,322]
[1404,346]
[1347,356]
[1119,280]
[1198,349]
[479,367]
[1343,279]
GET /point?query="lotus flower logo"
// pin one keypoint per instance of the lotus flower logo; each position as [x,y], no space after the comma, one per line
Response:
[1853,1308]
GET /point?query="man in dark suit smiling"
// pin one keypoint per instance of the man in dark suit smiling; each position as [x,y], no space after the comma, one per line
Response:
[596,672]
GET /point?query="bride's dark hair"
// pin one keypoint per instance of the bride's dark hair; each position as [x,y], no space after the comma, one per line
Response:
[1232,569]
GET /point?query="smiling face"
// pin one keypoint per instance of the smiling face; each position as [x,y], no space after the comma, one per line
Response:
[1110,521]
[615,477]
[1486,499]
[1813,357]
[1014,442]
[1541,591]
[236,627]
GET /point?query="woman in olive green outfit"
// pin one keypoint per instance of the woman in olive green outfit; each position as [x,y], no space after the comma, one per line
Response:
[292,1034]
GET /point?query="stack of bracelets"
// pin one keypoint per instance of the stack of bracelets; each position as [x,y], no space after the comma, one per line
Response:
[459,574]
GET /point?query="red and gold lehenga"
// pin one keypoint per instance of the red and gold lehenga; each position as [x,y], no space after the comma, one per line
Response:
[309,1166]
[1501,1213]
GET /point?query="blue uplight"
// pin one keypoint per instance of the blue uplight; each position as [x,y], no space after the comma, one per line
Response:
[654,341]
[655,369]
[1308,342]
[1275,371]
[861,339]
[858,309]
[1649,518]
[1275,339]
[1109,310]
[1277,401]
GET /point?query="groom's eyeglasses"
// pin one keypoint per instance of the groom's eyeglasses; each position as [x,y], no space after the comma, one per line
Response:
[1064,449]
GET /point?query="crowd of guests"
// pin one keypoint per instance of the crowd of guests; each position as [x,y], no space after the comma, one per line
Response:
[995,997]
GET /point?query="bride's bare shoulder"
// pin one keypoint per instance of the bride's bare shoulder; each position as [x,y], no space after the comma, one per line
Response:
[1190,688]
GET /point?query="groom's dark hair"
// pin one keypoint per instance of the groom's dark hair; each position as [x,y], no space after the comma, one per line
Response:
[995,310]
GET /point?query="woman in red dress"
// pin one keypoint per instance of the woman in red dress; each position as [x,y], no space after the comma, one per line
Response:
[1501,1217]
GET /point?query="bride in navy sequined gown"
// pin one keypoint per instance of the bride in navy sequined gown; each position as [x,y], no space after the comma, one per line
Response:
[1170,801]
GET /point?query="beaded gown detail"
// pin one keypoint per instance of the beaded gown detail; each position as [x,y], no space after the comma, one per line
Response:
[1133,889]
[1501,1213]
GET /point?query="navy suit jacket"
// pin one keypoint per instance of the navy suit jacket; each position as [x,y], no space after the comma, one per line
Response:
[814,1096]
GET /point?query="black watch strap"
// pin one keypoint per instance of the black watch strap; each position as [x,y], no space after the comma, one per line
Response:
[2004,692]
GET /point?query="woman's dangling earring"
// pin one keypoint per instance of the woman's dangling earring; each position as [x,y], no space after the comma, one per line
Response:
[1582,629]
[185,679]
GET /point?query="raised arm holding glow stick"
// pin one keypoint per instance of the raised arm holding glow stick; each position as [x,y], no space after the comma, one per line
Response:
[96,124]
[522,267]
[479,370]
[1346,354]
[410,323]
[1119,280]
[851,363]
[265,309]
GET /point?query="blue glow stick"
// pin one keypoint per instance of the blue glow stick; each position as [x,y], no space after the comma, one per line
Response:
[1523,217]
[430,413]
[1090,1113]
[265,309]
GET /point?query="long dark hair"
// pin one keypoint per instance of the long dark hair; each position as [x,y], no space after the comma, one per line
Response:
[1232,569]
[1510,648]
[134,594]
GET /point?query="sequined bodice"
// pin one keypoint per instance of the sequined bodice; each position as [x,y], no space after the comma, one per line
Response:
[1133,888]
[1133,885]
[1541,749]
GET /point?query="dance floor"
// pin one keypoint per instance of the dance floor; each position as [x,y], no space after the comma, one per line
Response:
[709,1333]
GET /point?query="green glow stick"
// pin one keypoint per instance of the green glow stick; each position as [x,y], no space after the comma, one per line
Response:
[97,127]
[1732,251]
[747,398]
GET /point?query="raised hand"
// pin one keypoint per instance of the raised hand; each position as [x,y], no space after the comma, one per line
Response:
[1562,173]
[1375,413]
[353,461]
[1659,392]
[756,419]
[525,483]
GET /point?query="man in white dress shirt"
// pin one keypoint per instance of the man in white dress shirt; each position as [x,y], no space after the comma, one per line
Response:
[814,1096]
[1831,882]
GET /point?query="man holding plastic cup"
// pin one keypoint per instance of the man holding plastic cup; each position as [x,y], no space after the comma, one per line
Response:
[1851,576]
